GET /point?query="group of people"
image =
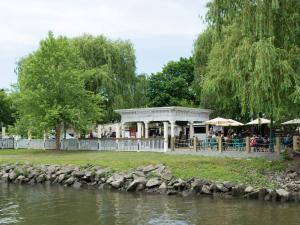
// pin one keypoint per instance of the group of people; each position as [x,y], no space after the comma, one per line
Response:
[230,140]
[259,143]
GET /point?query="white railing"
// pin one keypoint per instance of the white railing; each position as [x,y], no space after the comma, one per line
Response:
[6,143]
[126,144]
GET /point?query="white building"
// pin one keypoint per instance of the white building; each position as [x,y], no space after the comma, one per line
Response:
[175,121]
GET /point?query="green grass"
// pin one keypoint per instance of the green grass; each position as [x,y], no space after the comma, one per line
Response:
[246,171]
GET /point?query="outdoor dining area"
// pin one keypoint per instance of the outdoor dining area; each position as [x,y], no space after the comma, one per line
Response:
[255,136]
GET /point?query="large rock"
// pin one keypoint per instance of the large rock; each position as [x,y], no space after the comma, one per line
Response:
[116,177]
[51,169]
[229,185]
[196,186]
[116,184]
[249,189]
[41,178]
[137,174]
[179,184]
[149,168]
[70,181]
[78,173]
[163,187]
[32,174]
[160,168]
[5,177]
[21,178]
[101,172]
[221,188]
[153,182]
[282,193]
[12,175]
[206,190]
[166,176]
[140,181]
[61,177]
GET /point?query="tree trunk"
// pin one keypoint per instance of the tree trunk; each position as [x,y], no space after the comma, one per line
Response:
[57,137]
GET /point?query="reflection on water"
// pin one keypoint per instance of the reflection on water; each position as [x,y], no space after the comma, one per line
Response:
[55,205]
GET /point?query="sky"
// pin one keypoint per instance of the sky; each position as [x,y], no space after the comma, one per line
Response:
[160,30]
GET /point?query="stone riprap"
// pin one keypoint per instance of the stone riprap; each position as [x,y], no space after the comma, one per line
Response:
[151,179]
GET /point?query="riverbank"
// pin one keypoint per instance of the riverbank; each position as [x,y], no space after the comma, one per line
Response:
[254,171]
[150,179]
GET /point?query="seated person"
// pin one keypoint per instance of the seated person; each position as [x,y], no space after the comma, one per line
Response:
[213,142]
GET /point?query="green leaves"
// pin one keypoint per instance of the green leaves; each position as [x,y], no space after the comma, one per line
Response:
[109,70]
[172,86]
[6,109]
[248,59]
[52,91]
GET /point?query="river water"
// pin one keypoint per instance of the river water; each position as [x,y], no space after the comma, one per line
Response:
[56,205]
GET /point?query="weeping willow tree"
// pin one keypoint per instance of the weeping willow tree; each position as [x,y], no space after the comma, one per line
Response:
[250,57]
[109,70]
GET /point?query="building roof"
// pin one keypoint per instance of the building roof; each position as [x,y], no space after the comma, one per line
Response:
[166,108]
[171,113]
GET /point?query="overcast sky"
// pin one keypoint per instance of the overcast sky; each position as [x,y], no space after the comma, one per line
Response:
[161,30]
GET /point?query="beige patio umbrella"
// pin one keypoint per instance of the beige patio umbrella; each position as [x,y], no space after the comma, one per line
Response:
[291,122]
[234,123]
[259,121]
[219,121]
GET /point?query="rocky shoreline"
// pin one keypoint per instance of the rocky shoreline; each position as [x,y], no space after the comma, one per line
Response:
[150,179]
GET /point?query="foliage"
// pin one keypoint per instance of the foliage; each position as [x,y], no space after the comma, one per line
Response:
[253,59]
[172,86]
[140,89]
[246,171]
[51,92]
[286,155]
[109,70]
[6,109]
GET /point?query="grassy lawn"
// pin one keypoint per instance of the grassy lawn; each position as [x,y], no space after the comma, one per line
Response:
[247,171]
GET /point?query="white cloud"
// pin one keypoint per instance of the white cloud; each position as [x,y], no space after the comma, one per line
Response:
[146,22]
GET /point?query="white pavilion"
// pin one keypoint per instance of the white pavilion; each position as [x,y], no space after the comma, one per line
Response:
[169,116]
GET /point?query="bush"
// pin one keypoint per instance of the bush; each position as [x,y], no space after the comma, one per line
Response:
[286,155]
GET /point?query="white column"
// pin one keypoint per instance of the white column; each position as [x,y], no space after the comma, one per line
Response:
[44,136]
[3,132]
[191,129]
[123,130]
[117,130]
[139,130]
[146,129]
[166,127]
[172,129]
[99,131]
[207,129]
[143,130]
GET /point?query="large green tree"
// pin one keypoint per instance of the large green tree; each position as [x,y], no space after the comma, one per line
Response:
[109,70]
[173,85]
[140,91]
[6,109]
[253,62]
[51,93]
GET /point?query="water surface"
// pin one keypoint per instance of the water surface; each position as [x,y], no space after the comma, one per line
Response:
[56,205]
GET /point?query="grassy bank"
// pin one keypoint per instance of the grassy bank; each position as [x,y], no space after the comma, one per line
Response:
[247,171]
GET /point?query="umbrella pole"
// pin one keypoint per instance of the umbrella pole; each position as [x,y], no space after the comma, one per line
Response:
[271,134]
